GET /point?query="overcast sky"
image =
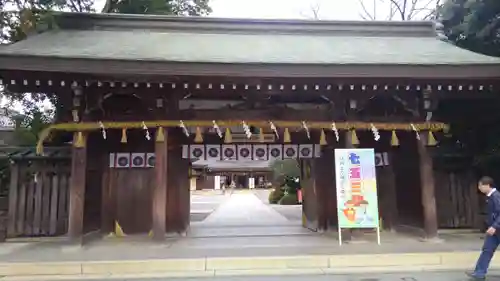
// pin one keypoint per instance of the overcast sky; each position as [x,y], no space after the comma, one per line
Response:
[279,9]
[331,9]
[299,9]
[294,9]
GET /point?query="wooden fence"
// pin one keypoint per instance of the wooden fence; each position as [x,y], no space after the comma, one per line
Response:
[38,199]
[457,199]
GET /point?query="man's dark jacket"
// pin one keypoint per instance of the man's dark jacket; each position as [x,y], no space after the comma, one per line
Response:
[493,218]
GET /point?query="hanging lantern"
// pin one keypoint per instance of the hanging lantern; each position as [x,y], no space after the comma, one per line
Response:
[394,139]
[354,138]
[124,135]
[79,141]
[431,140]
[286,136]
[322,138]
[160,135]
[198,138]
[119,230]
[227,136]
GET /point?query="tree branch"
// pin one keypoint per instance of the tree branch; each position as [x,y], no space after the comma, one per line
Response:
[399,8]
[314,9]
[415,11]
[366,15]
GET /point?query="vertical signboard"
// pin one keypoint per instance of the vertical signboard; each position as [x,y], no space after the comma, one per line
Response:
[356,189]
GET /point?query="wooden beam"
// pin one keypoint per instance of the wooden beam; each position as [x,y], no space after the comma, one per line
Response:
[428,191]
[77,188]
[257,114]
[160,188]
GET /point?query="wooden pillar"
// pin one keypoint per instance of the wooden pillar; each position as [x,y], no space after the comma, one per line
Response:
[328,180]
[319,187]
[160,189]
[178,193]
[77,186]
[108,203]
[324,183]
[428,194]
[13,200]
[388,207]
[184,194]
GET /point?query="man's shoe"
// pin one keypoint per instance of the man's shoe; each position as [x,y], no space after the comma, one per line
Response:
[474,276]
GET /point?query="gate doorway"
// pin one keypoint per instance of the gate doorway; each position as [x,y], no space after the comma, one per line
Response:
[233,195]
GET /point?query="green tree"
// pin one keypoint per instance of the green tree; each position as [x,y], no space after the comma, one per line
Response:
[20,18]
[473,24]
[287,167]
[29,126]
[159,7]
[286,174]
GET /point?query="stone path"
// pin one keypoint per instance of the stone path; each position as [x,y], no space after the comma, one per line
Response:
[244,209]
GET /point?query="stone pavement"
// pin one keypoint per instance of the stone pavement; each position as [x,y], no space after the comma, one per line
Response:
[244,209]
[293,213]
[399,276]
[269,244]
[202,205]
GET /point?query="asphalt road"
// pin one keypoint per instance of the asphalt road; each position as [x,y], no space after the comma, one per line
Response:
[409,276]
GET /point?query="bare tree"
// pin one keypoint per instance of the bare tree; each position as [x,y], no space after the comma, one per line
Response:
[404,10]
[314,12]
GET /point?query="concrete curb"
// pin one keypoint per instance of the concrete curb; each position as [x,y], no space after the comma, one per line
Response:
[235,266]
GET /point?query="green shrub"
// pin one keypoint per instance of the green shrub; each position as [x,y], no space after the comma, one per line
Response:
[290,189]
[289,199]
[275,195]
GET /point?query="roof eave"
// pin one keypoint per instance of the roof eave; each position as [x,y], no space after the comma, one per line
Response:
[164,68]
[128,21]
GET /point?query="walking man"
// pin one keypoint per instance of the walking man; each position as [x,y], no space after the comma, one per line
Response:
[492,239]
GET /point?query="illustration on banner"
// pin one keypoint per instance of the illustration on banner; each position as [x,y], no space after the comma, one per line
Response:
[356,188]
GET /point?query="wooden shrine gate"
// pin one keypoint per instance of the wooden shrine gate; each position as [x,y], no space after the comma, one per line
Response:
[361,92]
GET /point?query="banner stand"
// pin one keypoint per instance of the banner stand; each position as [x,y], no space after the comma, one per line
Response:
[378,235]
[340,234]
[356,184]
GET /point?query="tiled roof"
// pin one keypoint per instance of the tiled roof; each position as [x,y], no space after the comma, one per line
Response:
[209,40]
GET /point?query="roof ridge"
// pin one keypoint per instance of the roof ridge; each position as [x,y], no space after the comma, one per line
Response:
[210,24]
